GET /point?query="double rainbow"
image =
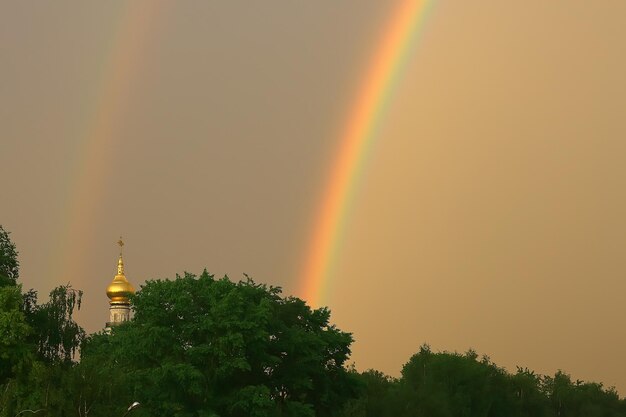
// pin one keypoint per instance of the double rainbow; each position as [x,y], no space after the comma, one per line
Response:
[105,109]
[357,137]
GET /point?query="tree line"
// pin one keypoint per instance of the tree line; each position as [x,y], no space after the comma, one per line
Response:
[201,346]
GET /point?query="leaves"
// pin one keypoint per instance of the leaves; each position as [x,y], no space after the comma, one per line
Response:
[56,334]
[15,353]
[200,345]
[9,265]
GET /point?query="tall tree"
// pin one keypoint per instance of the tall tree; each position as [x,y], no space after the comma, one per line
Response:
[9,265]
[15,353]
[452,384]
[56,334]
[198,346]
[529,395]
[37,342]
[377,396]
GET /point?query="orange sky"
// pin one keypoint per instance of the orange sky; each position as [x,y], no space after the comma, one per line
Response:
[490,213]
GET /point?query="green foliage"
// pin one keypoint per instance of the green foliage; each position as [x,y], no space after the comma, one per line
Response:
[451,384]
[14,331]
[464,385]
[37,343]
[9,265]
[580,399]
[56,335]
[213,348]
[529,395]
[198,346]
[15,352]
[377,396]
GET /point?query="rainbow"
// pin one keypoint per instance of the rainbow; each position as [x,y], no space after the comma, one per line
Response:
[94,156]
[356,139]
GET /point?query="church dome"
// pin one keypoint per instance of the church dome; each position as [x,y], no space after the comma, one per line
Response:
[120,288]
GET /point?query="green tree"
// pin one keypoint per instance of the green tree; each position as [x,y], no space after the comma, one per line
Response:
[37,342]
[15,353]
[56,334]
[528,391]
[36,349]
[199,346]
[377,396]
[560,391]
[581,399]
[9,265]
[455,385]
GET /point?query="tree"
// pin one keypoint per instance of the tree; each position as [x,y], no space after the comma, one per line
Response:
[37,346]
[452,384]
[14,331]
[9,265]
[15,351]
[56,335]
[581,399]
[530,397]
[377,396]
[37,342]
[199,346]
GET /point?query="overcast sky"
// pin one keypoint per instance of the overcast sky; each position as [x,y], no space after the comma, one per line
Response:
[490,213]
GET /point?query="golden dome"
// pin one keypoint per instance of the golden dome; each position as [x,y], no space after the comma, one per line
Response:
[119,290]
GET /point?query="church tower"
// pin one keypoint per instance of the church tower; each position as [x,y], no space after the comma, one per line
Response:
[118,292]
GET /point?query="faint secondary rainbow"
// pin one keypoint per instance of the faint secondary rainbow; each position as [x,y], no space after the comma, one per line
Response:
[357,136]
[99,135]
